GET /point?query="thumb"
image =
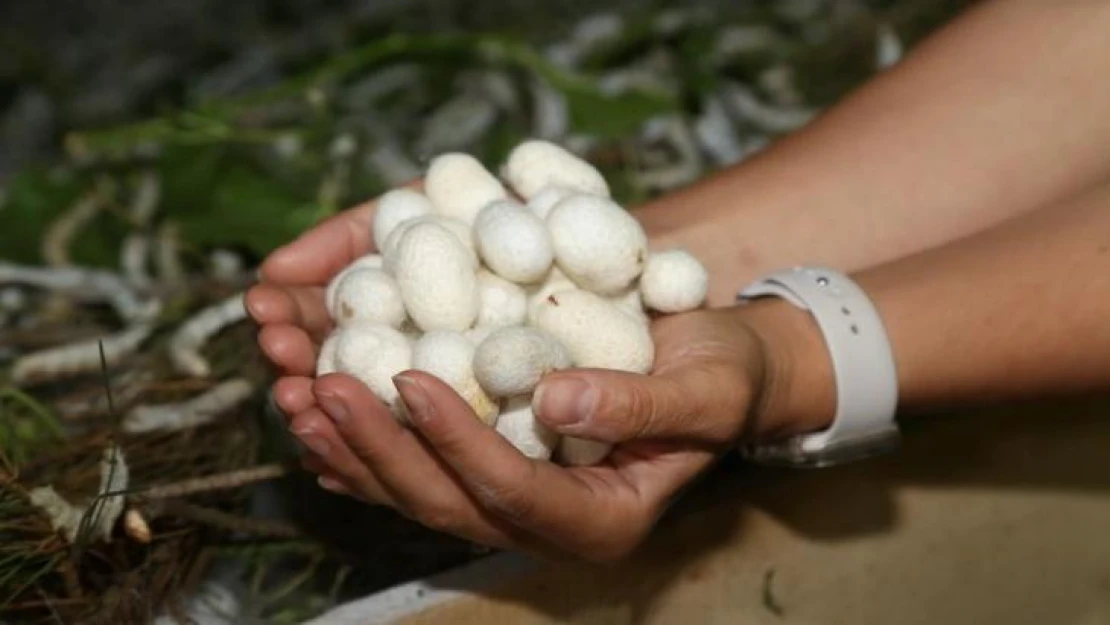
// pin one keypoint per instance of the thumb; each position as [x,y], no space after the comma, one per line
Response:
[614,406]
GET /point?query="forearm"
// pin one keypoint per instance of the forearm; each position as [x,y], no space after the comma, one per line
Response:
[1016,312]
[999,113]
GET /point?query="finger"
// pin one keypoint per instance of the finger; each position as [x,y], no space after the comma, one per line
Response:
[322,252]
[317,433]
[690,403]
[328,479]
[420,484]
[293,394]
[289,348]
[584,515]
[317,255]
[270,304]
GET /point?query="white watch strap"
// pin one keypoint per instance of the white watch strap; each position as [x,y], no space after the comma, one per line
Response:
[863,362]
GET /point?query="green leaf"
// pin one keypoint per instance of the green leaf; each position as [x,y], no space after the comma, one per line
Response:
[221,198]
[34,197]
[612,117]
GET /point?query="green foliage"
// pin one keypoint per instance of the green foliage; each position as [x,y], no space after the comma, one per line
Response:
[220,196]
[32,199]
[26,426]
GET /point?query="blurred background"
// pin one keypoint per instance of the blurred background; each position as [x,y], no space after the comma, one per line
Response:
[151,153]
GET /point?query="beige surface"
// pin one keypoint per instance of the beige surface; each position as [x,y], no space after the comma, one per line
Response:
[982,519]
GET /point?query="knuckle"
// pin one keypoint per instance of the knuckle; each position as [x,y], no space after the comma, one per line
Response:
[642,413]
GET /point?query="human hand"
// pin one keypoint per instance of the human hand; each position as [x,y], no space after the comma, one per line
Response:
[455,475]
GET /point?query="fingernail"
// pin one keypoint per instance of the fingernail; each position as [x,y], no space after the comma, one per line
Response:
[565,401]
[415,398]
[334,407]
[315,442]
[331,485]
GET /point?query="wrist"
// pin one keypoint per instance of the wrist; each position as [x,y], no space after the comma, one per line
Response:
[796,386]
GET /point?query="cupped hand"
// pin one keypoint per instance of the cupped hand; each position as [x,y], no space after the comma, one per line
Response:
[455,475]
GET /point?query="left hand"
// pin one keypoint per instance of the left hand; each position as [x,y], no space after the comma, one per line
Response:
[458,476]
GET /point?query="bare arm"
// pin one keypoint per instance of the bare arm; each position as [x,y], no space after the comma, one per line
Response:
[1019,311]
[999,113]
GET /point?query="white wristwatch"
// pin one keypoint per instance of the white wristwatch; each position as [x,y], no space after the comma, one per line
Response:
[866,379]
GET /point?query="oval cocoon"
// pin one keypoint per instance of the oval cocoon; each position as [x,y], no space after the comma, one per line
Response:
[460,230]
[500,302]
[459,186]
[597,333]
[478,333]
[368,295]
[436,279]
[542,203]
[630,302]
[536,164]
[518,425]
[449,356]
[369,261]
[674,281]
[395,207]
[373,353]
[580,452]
[325,360]
[556,282]
[598,244]
[513,242]
[511,361]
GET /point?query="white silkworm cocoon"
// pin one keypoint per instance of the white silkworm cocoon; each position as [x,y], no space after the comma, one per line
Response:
[630,302]
[513,242]
[535,164]
[194,412]
[581,452]
[459,186]
[373,354]
[600,335]
[449,356]
[556,282]
[596,333]
[191,336]
[395,207]
[542,202]
[500,302]
[518,425]
[436,278]
[369,261]
[599,245]
[511,361]
[325,360]
[461,231]
[673,281]
[368,295]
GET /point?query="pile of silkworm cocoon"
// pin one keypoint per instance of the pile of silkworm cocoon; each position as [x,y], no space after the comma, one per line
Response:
[490,286]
